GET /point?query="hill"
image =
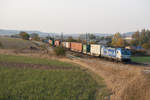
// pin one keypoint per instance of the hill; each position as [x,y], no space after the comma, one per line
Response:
[14,43]
[44,34]
[13,32]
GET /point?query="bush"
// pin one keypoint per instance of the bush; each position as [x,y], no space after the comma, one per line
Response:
[146,45]
[60,51]
[24,35]
[138,52]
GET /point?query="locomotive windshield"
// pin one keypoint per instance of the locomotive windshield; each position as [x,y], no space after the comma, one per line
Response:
[125,52]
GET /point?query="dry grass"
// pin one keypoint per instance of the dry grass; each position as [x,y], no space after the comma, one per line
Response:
[126,82]
[15,43]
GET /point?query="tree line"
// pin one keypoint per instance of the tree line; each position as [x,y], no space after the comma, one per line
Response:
[139,38]
[26,36]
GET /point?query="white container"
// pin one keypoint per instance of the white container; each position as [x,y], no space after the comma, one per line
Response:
[95,50]
[67,45]
[64,44]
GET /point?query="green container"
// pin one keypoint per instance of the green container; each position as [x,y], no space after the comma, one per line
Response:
[53,43]
[86,48]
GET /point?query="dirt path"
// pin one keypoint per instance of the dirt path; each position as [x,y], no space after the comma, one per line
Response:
[125,81]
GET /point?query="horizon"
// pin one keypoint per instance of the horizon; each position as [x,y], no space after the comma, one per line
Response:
[69,17]
[64,33]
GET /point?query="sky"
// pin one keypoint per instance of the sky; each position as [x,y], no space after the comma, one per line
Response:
[75,16]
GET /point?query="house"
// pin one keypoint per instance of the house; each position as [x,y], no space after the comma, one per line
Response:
[103,42]
[128,38]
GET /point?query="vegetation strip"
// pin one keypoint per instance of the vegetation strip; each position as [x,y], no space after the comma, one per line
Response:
[33,60]
[38,66]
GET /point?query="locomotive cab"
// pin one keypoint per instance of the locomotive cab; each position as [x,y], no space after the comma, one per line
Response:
[123,54]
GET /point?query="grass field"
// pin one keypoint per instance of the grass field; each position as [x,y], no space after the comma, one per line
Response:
[14,43]
[141,59]
[31,60]
[27,83]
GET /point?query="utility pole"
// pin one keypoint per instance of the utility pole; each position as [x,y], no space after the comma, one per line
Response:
[53,36]
[62,37]
[48,36]
[86,37]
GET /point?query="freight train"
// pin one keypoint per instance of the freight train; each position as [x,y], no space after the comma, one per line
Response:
[117,54]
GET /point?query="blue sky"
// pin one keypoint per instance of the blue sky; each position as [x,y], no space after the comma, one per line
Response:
[75,16]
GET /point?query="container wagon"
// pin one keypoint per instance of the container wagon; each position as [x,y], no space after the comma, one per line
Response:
[68,45]
[95,50]
[86,49]
[51,42]
[77,47]
[57,43]
[64,44]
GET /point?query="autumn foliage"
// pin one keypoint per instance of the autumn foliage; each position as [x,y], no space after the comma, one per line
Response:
[118,41]
[141,38]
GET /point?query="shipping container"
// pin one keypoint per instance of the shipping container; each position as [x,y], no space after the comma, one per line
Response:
[51,42]
[64,44]
[86,48]
[68,44]
[95,50]
[57,43]
[76,46]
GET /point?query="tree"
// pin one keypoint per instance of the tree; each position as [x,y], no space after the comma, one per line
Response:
[102,38]
[70,39]
[79,39]
[140,38]
[147,36]
[60,51]
[24,35]
[49,37]
[136,39]
[146,45]
[1,45]
[120,42]
[35,36]
[117,40]
[91,36]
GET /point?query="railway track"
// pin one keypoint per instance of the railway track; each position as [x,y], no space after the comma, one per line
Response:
[80,56]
